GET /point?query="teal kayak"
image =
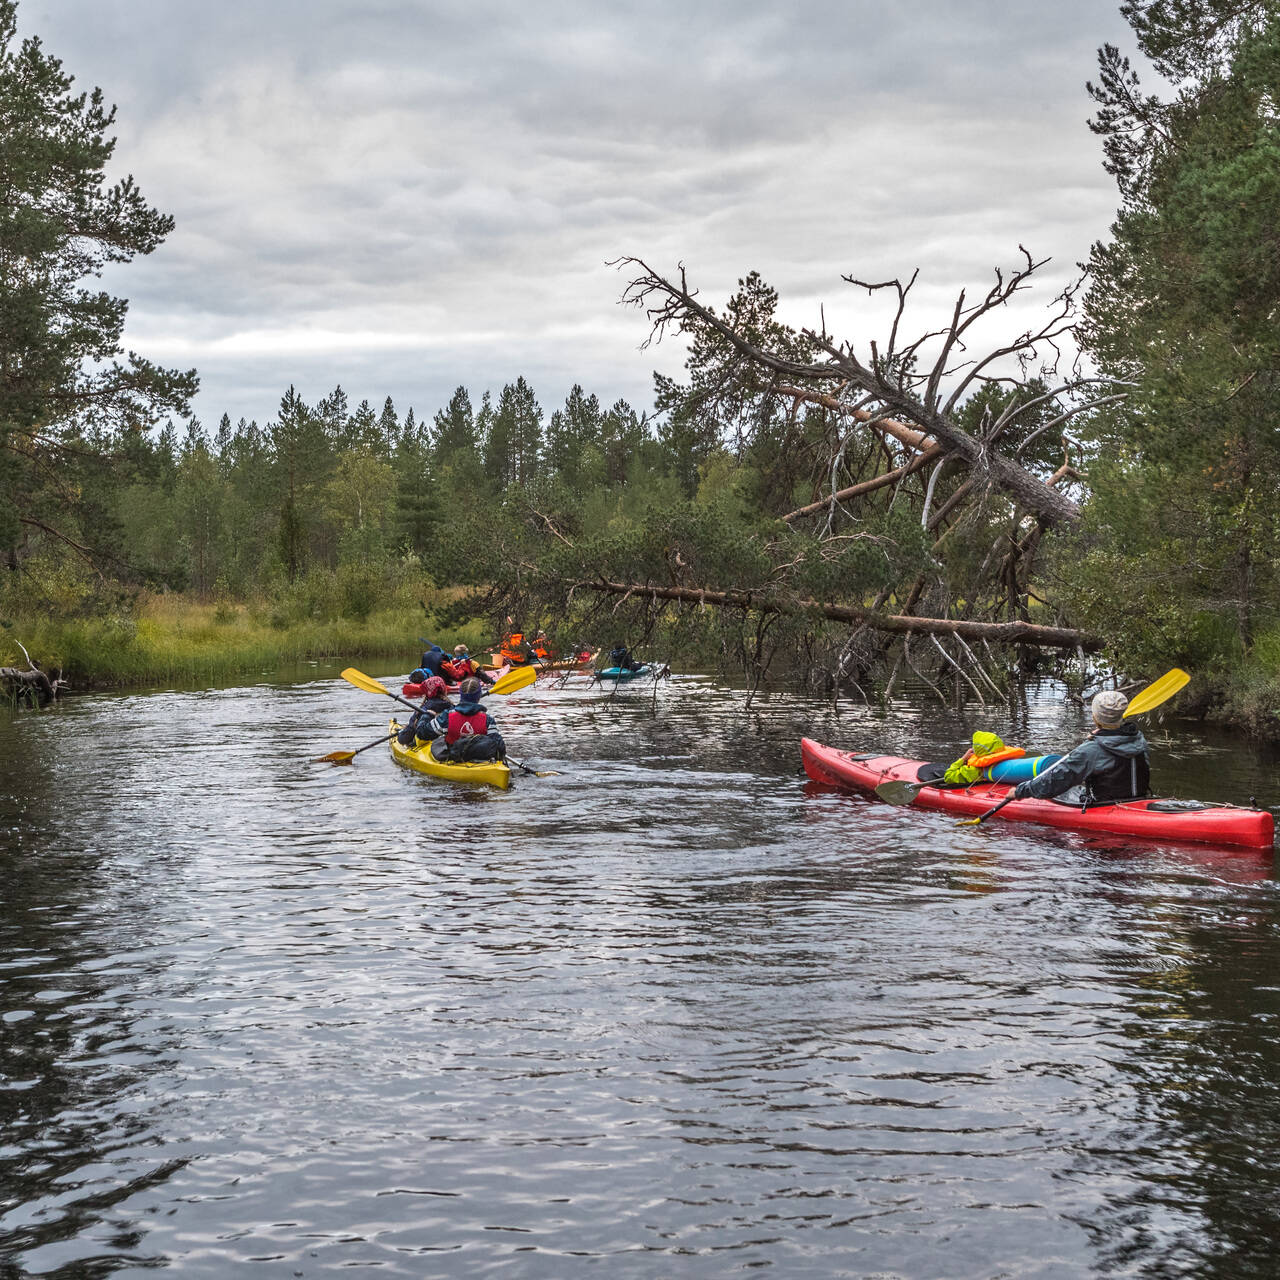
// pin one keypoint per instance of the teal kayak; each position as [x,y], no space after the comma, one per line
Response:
[625,673]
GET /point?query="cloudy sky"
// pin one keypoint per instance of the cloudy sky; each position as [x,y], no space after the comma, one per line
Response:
[407,195]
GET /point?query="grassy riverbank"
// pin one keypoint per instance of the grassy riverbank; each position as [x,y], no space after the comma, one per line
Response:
[173,639]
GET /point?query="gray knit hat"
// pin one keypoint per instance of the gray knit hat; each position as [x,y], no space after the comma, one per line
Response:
[1108,708]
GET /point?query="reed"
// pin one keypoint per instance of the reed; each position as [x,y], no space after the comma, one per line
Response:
[175,640]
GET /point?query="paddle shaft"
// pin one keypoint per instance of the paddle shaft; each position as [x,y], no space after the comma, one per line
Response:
[989,813]
[535,773]
[345,757]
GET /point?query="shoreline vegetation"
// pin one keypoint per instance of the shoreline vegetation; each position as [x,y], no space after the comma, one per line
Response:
[936,503]
[177,639]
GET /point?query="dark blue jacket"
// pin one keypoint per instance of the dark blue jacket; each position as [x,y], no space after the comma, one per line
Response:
[1112,762]
[431,661]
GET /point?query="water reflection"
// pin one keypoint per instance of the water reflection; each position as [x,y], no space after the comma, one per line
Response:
[673,1010]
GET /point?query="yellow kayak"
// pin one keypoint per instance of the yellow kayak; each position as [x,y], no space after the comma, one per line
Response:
[494,772]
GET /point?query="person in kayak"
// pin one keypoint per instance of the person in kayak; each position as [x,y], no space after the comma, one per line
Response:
[416,685]
[467,732]
[1111,764]
[541,647]
[435,701]
[432,660]
[515,652]
[986,750]
[462,665]
[620,657]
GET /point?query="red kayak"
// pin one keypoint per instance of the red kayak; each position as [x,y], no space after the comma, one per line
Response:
[1152,819]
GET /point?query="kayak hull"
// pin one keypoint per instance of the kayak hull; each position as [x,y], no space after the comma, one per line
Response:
[493,773]
[1216,824]
[559,664]
[621,675]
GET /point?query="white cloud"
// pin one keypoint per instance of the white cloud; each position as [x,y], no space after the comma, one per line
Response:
[406,196]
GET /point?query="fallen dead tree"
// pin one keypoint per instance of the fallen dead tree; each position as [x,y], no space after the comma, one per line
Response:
[32,685]
[1016,632]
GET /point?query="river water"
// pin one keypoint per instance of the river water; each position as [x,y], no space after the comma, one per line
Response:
[672,1012]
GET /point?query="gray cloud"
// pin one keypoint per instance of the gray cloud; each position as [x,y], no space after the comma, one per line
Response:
[405,196]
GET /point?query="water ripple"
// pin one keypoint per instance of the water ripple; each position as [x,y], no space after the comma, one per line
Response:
[674,1011]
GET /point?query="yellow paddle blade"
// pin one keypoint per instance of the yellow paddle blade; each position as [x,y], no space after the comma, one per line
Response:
[515,679]
[336,757]
[1157,692]
[367,683]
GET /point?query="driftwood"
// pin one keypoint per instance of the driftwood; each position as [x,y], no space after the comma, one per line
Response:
[1016,632]
[32,685]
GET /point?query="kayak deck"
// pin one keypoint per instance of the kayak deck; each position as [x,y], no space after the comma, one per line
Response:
[493,773]
[1212,824]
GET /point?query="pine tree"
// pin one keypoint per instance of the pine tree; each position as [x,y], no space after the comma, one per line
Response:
[1182,537]
[60,224]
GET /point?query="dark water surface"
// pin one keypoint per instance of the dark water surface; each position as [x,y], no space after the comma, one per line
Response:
[672,1013]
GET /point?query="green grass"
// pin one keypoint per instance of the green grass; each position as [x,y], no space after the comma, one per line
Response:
[173,640]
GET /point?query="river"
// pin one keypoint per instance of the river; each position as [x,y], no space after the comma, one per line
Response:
[671,1012]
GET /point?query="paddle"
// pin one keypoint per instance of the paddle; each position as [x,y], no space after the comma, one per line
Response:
[900,791]
[509,683]
[1152,696]
[345,757]
[534,773]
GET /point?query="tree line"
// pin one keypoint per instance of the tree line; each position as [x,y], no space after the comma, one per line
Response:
[938,503]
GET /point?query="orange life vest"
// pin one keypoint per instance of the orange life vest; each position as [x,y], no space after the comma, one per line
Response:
[513,649]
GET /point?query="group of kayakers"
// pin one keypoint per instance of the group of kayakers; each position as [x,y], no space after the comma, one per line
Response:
[463,731]
[459,731]
[1112,763]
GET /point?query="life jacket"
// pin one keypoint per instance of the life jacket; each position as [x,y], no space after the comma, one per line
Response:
[465,724]
[1127,777]
[986,746]
[540,651]
[463,667]
[996,757]
[514,651]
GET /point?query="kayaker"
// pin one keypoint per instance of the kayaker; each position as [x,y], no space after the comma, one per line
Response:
[541,647]
[1111,764]
[416,685]
[435,702]
[462,665]
[987,749]
[620,657]
[432,660]
[467,731]
[515,652]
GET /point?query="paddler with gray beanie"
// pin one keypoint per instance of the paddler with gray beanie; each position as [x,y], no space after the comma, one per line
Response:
[1111,764]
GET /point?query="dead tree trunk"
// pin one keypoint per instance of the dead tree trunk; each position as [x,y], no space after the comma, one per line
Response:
[1016,632]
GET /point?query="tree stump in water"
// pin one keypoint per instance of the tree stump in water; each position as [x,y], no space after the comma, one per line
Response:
[33,687]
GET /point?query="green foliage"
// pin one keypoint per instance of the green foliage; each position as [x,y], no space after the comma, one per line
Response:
[1176,557]
[61,224]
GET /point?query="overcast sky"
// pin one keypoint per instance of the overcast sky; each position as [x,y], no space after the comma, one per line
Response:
[407,195]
